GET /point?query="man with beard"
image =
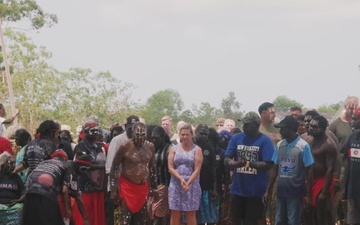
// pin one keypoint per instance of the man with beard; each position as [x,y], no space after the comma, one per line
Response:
[209,206]
[249,155]
[136,157]
[325,152]
[351,181]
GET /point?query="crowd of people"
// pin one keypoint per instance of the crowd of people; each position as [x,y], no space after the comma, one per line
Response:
[300,170]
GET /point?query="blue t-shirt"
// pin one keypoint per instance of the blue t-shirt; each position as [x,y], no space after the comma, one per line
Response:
[249,182]
[292,159]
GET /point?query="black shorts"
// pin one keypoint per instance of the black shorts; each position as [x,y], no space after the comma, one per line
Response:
[246,207]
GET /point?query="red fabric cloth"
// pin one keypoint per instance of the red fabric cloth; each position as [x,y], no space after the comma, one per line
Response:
[134,195]
[94,208]
[317,186]
[5,146]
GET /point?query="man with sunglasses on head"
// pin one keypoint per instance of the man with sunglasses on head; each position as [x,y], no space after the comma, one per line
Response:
[325,153]
[92,183]
[138,169]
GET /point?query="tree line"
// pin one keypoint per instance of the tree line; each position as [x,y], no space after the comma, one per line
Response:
[42,92]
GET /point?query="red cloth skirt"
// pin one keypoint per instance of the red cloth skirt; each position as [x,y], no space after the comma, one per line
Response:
[94,205]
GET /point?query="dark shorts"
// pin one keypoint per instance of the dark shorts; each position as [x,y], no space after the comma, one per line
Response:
[246,208]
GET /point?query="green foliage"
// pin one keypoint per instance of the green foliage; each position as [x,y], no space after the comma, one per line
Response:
[332,108]
[41,92]
[14,11]
[230,108]
[165,102]
[205,114]
[283,103]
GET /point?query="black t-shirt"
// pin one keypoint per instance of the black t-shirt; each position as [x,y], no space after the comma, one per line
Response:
[11,188]
[92,180]
[207,167]
[351,152]
[37,151]
[48,178]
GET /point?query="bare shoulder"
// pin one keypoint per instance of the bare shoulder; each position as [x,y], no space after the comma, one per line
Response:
[198,149]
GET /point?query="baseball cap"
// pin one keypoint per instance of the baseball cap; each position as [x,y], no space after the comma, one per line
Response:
[132,119]
[251,117]
[225,134]
[288,121]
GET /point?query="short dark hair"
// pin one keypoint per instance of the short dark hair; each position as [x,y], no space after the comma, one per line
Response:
[265,106]
[48,128]
[323,123]
[293,108]
[312,113]
[300,117]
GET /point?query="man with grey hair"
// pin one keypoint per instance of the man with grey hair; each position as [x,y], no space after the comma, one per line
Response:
[249,154]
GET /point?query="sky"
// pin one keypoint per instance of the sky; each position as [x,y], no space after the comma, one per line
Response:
[308,50]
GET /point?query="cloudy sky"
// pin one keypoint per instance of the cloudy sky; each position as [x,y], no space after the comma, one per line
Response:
[308,50]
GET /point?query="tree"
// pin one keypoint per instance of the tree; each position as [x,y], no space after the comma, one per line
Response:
[165,102]
[205,114]
[231,108]
[45,93]
[283,103]
[14,11]
[332,108]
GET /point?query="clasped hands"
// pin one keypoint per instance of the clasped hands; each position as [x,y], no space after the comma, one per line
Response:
[185,185]
[240,163]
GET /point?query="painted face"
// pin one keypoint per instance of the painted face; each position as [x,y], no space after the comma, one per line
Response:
[307,120]
[139,135]
[314,129]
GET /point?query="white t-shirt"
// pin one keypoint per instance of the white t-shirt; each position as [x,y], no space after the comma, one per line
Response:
[2,128]
[114,146]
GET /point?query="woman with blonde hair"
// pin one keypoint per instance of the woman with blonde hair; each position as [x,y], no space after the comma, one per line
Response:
[184,163]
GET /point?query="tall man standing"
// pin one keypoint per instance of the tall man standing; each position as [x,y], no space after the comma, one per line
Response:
[114,146]
[324,151]
[267,114]
[136,157]
[351,181]
[249,154]
[293,160]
